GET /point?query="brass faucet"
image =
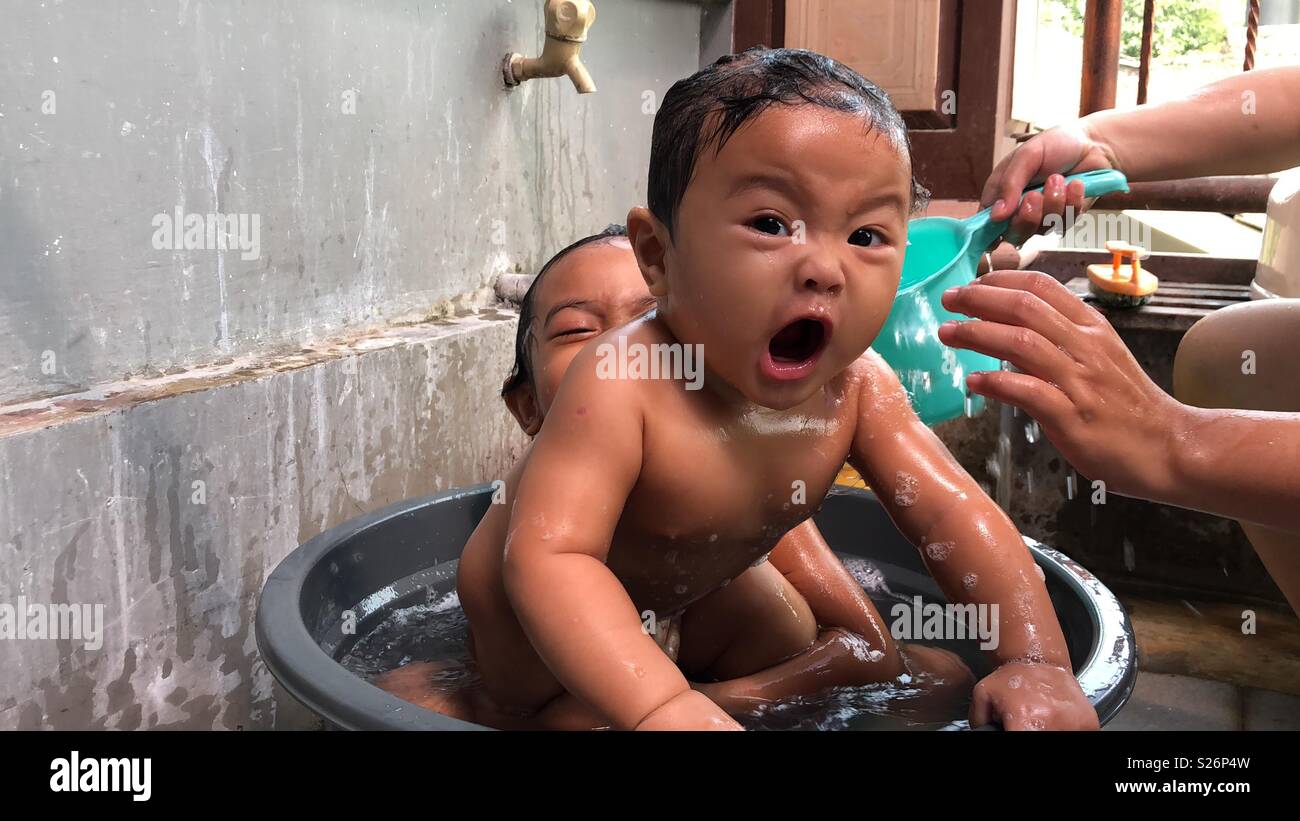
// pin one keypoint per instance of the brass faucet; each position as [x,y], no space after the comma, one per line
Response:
[567,22]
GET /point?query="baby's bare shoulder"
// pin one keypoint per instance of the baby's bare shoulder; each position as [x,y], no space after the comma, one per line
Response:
[881,403]
[600,370]
[870,378]
[645,361]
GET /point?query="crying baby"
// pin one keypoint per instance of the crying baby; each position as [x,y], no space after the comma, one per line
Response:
[780,187]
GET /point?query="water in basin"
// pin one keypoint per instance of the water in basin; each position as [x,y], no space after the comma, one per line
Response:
[434,629]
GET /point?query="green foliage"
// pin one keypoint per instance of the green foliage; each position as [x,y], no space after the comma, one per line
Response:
[1182,26]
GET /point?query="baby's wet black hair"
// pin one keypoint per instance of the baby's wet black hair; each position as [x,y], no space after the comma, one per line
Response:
[739,87]
[522,373]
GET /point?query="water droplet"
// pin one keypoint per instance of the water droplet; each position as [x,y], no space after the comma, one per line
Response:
[994,469]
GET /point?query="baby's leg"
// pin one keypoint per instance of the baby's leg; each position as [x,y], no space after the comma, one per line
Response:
[754,622]
[419,684]
[836,598]
[758,638]
[836,658]
[842,659]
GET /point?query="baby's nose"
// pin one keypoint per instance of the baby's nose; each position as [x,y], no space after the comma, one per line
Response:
[822,273]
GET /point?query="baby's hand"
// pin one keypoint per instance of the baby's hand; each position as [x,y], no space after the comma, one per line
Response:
[690,710]
[1027,696]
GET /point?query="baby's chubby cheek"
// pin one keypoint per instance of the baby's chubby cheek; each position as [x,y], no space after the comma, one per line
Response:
[863,321]
[724,321]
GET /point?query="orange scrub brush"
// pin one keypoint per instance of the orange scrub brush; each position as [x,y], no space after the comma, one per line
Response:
[1122,283]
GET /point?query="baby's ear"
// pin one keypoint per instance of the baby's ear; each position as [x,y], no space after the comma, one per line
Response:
[649,240]
[522,402]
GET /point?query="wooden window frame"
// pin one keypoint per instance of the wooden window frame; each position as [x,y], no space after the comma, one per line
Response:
[955,159]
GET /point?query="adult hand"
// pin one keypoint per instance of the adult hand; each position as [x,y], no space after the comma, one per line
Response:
[1044,158]
[1077,378]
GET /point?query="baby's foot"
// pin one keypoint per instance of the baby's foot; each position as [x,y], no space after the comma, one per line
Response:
[416,683]
[937,666]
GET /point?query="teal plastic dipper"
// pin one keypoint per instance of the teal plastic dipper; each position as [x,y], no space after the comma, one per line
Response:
[944,253]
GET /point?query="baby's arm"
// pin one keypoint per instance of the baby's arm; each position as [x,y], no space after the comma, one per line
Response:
[575,612]
[971,548]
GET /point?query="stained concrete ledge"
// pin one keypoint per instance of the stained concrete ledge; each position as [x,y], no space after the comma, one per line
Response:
[170,501]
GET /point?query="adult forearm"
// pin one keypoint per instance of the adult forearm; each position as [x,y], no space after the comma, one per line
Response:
[1245,124]
[1239,464]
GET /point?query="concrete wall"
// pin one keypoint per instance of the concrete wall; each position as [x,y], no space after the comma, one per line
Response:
[354,362]
[115,113]
[171,512]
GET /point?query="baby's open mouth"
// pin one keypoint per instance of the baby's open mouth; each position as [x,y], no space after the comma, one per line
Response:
[797,342]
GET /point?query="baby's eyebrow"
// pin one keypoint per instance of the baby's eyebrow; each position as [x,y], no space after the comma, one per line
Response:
[584,304]
[644,303]
[875,200]
[776,182]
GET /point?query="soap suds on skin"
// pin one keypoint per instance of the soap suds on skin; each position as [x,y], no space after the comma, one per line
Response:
[1024,602]
[1035,650]
[905,489]
[861,650]
[870,577]
[938,551]
[969,581]
[768,422]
